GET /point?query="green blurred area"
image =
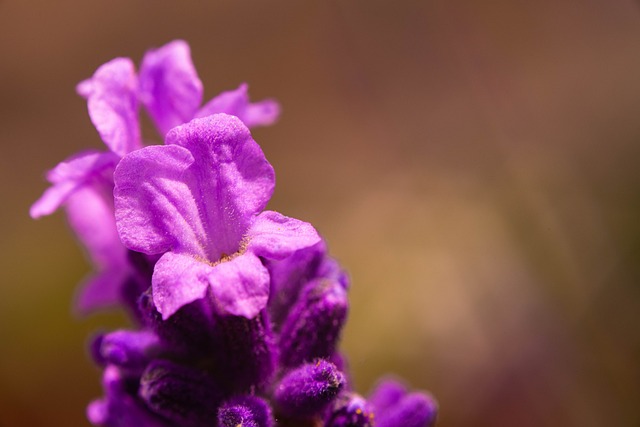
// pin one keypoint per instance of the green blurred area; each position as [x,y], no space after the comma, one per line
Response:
[473,166]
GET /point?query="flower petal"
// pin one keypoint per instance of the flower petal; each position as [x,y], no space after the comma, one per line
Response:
[90,213]
[197,195]
[169,85]
[113,105]
[236,102]
[177,281]
[155,206]
[101,290]
[239,286]
[232,179]
[276,236]
[68,176]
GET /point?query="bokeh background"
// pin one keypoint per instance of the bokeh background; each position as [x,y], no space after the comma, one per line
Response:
[474,165]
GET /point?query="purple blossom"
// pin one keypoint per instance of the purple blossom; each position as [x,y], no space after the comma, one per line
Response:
[169,87]
[239,310]
[198,200]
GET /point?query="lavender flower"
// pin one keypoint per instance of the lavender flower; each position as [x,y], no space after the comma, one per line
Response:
[239,310]
[171,91]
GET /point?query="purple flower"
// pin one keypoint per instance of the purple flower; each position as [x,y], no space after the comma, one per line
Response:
[169,87]
[198,200]
[239,310]
[172,92]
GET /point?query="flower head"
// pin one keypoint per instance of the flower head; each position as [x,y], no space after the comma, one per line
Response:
[239,310]
[171,92]
[198,200]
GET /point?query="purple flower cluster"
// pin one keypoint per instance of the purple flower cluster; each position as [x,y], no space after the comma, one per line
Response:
[238,310]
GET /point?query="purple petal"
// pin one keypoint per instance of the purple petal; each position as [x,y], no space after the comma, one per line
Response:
[101,290]
[236,102]
[81,169]
[177,281]
[155,207]
[113,105]
[276,236]
[90,214]
[239,286]
[197,195]
[169,85]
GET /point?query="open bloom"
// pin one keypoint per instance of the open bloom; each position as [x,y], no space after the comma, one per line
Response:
[171,91]
[198,200]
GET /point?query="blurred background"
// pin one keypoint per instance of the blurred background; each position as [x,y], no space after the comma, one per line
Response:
[474,166]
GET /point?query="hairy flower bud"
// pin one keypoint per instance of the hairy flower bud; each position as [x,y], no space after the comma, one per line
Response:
[313,327]
[308,390]
[245,411]
[184,395]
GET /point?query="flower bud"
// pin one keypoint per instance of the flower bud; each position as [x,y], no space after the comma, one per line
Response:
[245,411]
[350,410]
[184,395]
[308,390]
[313,327]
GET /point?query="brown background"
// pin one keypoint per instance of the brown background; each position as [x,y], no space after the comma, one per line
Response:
[474,165]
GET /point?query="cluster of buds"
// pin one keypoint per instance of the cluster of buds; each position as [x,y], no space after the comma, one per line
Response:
[238,311]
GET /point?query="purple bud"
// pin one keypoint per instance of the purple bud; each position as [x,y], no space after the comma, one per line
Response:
[350,410]
[120,407]
[184,395]
[129,349]
[387,393]
[313,327]
[245,411]
[289,275]
[245,353]
[413,410]
[306,391]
